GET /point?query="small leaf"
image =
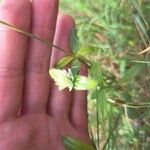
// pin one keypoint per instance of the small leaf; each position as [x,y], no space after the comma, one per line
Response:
[96,72]
[62,78]
[131,73]
[84,83]
[75,67]
[64,61]
[75,144]
[102,105]
[74,41]
[84,51]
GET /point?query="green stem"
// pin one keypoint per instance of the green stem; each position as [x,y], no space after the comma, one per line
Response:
[98,122]
[129,105]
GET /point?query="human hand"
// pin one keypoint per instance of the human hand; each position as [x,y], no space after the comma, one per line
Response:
[34,115]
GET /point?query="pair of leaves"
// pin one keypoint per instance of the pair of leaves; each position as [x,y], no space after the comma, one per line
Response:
[78,55]
[64,79]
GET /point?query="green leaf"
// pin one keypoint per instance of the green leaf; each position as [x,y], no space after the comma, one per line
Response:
[131,73]
[75,144]
[74,45]
[74,41]
[62,78]
[84,83]
[96,73]
[75,67]
[84,51]
[64,61]
[102,104]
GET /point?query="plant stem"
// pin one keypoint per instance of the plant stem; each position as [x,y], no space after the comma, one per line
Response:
[15,28]
[129,105]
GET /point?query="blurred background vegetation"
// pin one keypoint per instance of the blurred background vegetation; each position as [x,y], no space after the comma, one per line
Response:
[116,31]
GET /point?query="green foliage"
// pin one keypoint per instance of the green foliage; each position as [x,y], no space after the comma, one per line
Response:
[131,73]
[71,79]
[115,32]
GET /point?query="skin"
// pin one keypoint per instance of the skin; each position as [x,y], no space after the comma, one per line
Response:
[33,113]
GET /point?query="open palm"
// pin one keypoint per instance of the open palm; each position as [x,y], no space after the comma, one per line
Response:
[34,115]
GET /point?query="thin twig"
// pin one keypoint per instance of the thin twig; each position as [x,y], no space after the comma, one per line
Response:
[127,118]
[144,51]
[15,28]
[92,136]
[129,105]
